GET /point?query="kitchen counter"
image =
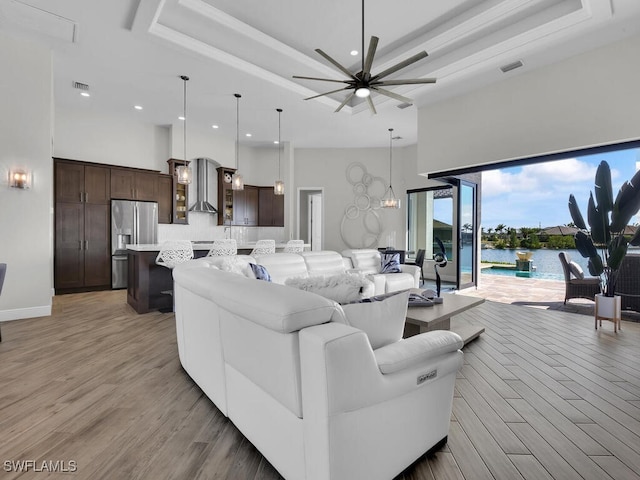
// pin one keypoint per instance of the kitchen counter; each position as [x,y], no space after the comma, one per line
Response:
[155,247]
[146,281]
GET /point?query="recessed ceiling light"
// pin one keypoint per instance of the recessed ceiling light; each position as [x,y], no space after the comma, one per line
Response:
[180,117]
[85,94]
[247,134]
[276,142]
[137,107]
[354,53]
[214,126]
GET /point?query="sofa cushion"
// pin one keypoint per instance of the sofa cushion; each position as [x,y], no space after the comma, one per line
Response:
[364,259]
[260,272]
[323,262]
[341,288]
[417,349]
[382,318]
[395,282]
[282,266]
[390,263]
[273,306]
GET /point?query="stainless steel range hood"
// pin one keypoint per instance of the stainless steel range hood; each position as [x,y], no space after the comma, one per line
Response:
[202,172]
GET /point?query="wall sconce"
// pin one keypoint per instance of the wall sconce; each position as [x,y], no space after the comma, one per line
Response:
[19,179]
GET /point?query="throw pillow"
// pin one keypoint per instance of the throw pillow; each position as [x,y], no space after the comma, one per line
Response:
[576,270]
[235,264]
[260,272]
[390,263]
[381,318]
[339,288]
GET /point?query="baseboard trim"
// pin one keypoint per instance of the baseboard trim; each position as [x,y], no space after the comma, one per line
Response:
[20,313]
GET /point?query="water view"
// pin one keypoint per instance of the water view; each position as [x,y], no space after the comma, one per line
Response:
[546,262]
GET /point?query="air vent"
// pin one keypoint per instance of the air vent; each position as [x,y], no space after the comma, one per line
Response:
[81,86]
[511,66]
[402,106]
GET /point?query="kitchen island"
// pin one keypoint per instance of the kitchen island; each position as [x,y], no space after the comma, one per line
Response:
[146,281]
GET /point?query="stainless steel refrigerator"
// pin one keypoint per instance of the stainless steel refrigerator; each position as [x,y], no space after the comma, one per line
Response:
[131,223]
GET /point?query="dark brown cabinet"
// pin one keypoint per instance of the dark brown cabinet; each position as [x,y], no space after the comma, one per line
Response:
[270,208]
[253,206]
[78,183]
[128,184]
[82,223]
[245,206]
[165,196]
[179,194]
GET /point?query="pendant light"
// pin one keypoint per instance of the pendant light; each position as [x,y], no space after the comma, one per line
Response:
[278,187]
[183,171]
[237,182]
[390,200]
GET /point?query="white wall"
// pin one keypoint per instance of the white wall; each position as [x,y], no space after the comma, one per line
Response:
[588,100]
[327,168]
[92,136]
[26,242]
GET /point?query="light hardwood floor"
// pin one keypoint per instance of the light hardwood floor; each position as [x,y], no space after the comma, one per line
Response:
[541,395]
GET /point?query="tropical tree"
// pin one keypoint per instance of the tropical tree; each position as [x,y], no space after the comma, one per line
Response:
[608,220]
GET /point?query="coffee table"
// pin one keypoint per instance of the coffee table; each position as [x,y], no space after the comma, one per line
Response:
[439,317]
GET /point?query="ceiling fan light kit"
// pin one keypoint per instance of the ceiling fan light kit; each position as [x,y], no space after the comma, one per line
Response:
[363,82]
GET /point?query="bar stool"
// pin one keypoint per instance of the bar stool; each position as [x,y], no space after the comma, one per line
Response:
[171,254]
[174,252]
[264,247]
[223,247]
[294,246]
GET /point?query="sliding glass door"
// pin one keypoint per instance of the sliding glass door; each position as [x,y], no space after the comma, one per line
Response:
[446,213]
[468,239]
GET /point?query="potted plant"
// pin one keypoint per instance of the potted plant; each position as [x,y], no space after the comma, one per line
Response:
[604,243]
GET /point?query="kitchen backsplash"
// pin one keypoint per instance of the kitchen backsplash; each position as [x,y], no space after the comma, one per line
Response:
[203,226]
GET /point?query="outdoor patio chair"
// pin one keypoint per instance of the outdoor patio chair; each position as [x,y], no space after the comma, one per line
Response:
[419,262]
[576,284]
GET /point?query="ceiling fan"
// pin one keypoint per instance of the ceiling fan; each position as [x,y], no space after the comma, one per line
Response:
[363,82]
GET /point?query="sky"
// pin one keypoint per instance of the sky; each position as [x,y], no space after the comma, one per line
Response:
[538,195]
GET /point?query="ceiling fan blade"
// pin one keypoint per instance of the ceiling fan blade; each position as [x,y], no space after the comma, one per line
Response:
[346,100]
[321,79]
[412,81]
[328,93]
[371,106]
[401,65]
[387,93]
[373,45]
[336,64]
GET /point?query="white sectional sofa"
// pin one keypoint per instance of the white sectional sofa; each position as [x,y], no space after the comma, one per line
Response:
[367,261]
[303,386]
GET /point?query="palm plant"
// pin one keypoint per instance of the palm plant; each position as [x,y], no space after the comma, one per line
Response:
[608,220]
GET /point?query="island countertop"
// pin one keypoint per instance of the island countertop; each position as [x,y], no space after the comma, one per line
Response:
[155,247]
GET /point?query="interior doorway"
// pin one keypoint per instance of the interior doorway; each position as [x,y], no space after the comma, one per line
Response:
[311,216]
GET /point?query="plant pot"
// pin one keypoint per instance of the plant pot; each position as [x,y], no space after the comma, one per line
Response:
[608,308]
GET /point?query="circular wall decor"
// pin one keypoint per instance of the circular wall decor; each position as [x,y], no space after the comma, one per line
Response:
[361,226]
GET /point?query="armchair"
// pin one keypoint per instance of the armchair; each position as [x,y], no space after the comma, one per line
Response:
[576,285]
